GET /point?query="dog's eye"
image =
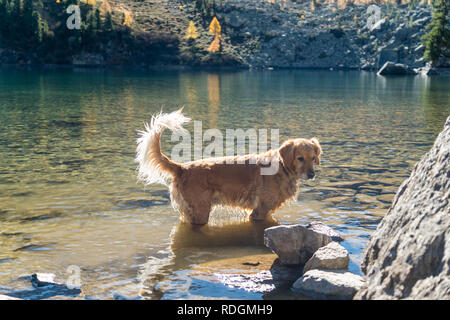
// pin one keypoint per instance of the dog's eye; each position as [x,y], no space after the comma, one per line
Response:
[300,159]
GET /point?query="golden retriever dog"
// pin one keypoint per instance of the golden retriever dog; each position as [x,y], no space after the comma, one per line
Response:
[197,186]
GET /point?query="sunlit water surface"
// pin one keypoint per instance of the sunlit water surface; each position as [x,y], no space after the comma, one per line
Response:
[68,191]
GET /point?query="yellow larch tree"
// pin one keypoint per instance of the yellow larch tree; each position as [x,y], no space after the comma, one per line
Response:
[191,31]
[215,30]
[215,45]
[105,7]
[128,19]
[89,2]
[214,27]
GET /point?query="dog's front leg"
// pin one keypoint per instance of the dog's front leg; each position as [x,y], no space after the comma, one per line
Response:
[259,214]
[200,213]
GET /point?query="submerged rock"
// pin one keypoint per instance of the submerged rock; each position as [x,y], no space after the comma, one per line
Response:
[294,244]
[331,257]
[408,255]
[335,284]
[256,273]
[391,68]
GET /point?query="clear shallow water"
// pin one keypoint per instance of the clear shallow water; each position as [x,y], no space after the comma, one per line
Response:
[68,191]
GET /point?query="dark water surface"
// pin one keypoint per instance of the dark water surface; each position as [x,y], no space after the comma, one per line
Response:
[68,191]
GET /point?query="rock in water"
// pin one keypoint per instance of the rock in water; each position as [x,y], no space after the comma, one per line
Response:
[3,297]
[391,68]
[43,279]
[331,257]
[408,256]
[45,282]
[322,228]
[294,244]
[336,284]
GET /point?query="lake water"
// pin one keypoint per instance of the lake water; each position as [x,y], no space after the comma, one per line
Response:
[69,196]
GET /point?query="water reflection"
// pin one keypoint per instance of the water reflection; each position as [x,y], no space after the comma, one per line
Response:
[435,106]
[244,233]
[214,98]
[219,256]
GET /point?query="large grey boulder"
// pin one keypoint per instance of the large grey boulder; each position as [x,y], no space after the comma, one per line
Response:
[294,244]
[333,256]
[336,284]
[391,68]
[408,256]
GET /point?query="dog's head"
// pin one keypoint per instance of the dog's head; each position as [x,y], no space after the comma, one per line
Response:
[299,156]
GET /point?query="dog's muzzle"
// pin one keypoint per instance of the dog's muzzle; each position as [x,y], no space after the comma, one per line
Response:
[311,174]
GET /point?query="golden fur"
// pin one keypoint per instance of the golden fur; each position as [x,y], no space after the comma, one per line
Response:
[197,186]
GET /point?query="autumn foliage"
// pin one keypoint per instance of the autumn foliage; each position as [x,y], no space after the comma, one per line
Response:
[127,19]
[215,30]
[214,27]
[215,45]
[191,31]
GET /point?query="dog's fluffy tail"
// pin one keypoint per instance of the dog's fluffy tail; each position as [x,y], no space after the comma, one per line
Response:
[153,165]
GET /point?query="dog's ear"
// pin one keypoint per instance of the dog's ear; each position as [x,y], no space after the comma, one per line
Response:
[287,154]
[317,149]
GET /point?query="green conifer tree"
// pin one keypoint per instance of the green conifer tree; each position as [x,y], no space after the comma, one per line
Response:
[437,40]
[98,20]
[36,27]
[108,22]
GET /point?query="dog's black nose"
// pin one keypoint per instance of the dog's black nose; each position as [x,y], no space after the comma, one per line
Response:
[311,174]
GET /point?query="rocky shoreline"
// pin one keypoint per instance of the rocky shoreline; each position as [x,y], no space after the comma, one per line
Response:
[265,35]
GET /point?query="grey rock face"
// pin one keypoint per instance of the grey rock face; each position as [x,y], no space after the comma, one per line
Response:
[329,284]
[294,244]
[408,255]
[333,256]
[391,68]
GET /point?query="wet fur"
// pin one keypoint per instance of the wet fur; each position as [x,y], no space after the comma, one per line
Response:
[198,186]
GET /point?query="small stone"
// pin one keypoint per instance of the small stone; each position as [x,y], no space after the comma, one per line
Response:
[333,256]
[335,284]
[294,244]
